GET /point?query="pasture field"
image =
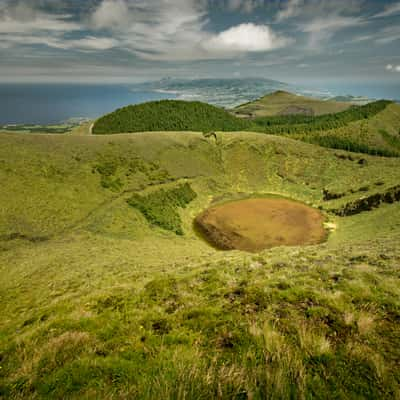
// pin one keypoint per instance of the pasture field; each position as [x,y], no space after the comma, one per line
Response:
[108,291]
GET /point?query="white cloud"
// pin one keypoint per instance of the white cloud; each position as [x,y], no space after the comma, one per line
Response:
[155,29]
[35,22]
[23,25]
[245,38]
[162,30]
[293,8]
[90,43]
[361,38]
[170,30]
[331,23]
[111,14]
[321,19]
[310,9]
[323,28]
[383,36]
[392,68]
[390,10]
[246,6]
[388,35]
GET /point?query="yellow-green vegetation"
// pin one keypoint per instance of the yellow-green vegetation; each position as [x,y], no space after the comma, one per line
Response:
[98,300]
[284,103]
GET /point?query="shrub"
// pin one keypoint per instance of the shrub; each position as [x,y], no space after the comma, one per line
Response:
[160,208]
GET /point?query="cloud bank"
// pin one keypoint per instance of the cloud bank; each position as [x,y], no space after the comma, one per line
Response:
[150,35]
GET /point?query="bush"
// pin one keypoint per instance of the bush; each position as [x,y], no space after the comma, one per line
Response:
[160,208]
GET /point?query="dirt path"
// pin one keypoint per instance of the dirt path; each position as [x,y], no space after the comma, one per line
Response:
[257,224]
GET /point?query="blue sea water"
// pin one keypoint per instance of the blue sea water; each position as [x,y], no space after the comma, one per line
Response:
[55,103]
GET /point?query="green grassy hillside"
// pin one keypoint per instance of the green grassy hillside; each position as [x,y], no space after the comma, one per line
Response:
[284,103]
[292,124]
[107,291]
[168,115]
[371,129]
[379,133]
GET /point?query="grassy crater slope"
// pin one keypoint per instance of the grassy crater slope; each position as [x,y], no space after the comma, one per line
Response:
[168,115]
[101,298]
[284,103]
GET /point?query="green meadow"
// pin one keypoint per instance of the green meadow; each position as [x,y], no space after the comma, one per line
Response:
[108,291]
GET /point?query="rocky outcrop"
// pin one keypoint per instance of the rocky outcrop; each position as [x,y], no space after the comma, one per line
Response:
[368,203]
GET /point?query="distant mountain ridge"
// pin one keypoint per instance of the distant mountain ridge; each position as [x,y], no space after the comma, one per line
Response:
[232,92]
[227,93]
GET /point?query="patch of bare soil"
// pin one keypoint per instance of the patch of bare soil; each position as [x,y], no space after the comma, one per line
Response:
[296,110]
[257,224]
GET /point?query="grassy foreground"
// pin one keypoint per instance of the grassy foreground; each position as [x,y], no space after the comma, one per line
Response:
[99,300]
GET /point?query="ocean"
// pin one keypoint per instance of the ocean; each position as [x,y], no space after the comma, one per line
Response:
[45,104]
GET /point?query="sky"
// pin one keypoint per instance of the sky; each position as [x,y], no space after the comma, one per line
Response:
[111,41]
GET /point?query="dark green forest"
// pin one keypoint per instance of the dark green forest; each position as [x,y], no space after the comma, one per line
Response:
[169,115]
